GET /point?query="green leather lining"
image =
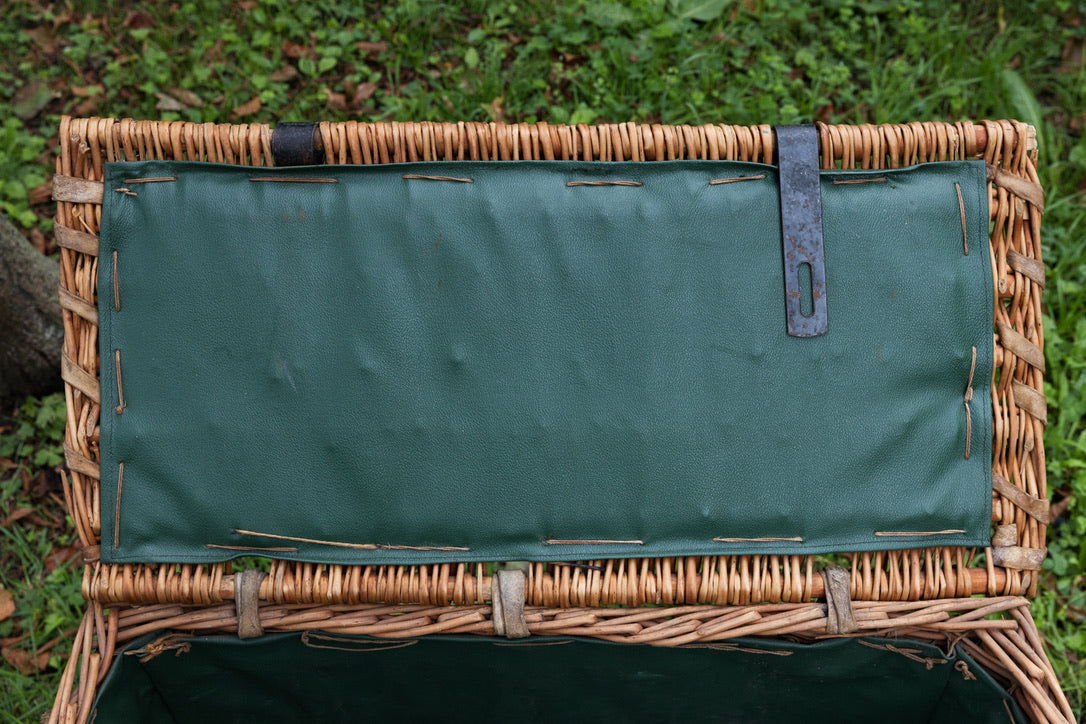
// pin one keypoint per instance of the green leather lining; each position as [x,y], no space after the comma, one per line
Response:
[406,370]
[336,678]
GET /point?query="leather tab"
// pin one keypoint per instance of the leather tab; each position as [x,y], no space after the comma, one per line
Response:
[296,144]
[92,554]
[839,618]
[247,603]
[1036,508]
[801,228]
[1018,558]
[1005,536]
[508,590]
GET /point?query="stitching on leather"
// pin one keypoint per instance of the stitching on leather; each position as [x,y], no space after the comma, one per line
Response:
[284,549]
[961,209]
[911,533]
[297,180]
[120,390]
[117,509]
[735,179]
[967,399]
[568,542]
[156,179]
[356,546]
[839,181]
[419,177]
[116,284]
[604,183]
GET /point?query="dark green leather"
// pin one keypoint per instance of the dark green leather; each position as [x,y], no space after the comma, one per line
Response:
[489,366]
[335,678]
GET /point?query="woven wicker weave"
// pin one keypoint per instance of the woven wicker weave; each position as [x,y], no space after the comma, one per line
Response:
[923,593]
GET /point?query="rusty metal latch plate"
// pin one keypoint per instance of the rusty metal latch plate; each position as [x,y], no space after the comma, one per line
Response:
[801,230]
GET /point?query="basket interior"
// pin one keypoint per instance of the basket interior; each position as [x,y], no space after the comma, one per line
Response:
[334,678]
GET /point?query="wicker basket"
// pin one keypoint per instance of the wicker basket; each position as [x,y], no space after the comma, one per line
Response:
[943,595]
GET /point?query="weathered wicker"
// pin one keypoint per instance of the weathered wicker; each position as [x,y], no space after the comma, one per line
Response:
[922,593]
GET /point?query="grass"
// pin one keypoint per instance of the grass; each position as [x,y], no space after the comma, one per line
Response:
[40,601]
[672,61]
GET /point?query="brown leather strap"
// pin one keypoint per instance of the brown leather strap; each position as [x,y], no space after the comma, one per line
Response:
[247,603]
[1018,558]
[77,190]
[1032,268]
[839,618]
[507,598]
[77,462]
[75,239]
[1020,187]
[1031,401]
[1019,346]
[1036,508]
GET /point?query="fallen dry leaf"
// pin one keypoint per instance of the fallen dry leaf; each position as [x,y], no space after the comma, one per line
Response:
[367,47]
[293,50]
[87,107]
[247,109]
[60,557]
[31,99]
[17,514]
[336,101]
[187,97]
[21,661]
[284,73]
[363,93]
[167,102]
[7,604]
[137,20]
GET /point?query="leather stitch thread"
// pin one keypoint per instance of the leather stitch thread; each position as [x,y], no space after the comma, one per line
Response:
[116,284]
[418,177]
[126,191]
[568,542]
[357,546]
[961,209]
[604,183]
[120,390]
[911,654]
[284,549]
[967,399]
[795,539]
[299,180]
[149,180]
[117,509]
[839,181]
[735,179]
[917,532]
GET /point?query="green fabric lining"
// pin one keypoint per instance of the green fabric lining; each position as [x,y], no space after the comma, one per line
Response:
[421,365]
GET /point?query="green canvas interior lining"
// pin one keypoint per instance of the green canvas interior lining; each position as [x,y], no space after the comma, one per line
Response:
[379,367]
[334,678]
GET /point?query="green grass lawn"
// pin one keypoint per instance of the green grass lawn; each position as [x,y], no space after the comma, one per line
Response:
[671,61]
